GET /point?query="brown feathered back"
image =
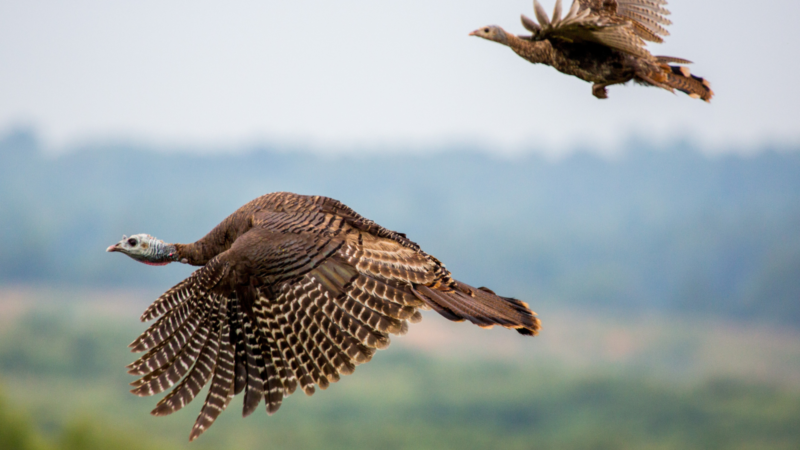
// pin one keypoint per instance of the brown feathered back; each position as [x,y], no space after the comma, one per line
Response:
[295,291]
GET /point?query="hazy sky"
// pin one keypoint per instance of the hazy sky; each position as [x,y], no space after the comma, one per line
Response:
[362,72]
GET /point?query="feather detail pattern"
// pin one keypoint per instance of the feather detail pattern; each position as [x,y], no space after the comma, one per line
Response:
[294,291]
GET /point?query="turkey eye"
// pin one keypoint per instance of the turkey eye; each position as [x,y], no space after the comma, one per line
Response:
[132,242]
[485,30]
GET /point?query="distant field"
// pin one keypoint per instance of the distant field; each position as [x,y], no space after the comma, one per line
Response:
[589,381]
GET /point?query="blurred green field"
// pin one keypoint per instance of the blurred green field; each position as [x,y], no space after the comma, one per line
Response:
[588,382]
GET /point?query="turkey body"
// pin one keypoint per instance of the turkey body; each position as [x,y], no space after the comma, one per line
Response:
[294,291]
[588,61]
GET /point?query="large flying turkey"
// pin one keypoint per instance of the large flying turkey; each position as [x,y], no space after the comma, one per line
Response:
[603,42]
[293,290]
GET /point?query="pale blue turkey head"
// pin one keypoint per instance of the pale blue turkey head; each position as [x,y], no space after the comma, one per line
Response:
[145,248]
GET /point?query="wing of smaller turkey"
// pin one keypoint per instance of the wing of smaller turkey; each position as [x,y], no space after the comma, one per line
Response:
[303,292]
[620,24]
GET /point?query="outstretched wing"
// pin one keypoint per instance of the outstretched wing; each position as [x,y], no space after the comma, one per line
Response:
[619,24]
[646,16]
[298,300]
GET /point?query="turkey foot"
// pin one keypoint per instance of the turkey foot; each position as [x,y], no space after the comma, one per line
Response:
[599,90]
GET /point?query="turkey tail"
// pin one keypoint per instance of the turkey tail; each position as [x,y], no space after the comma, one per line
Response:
[680,78]
[480,306]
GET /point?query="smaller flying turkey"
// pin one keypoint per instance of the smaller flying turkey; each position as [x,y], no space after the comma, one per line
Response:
[293,290]
[603,42]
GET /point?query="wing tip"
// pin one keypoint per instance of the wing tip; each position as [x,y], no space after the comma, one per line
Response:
[197,430]
[530,330]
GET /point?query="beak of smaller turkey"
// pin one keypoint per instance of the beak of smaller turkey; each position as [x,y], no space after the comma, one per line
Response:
[474,33]
[113,248]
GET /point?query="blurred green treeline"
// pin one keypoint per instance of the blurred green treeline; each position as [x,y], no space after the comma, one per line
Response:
[668,229]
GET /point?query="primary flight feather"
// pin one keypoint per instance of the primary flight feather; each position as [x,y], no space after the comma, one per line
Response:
[293,291]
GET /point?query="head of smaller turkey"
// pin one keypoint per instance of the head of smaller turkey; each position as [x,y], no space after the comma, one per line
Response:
[492,33]
[145,248]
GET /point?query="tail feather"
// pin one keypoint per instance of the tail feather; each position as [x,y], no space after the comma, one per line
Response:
[680,78]
[672,59]
[482,307]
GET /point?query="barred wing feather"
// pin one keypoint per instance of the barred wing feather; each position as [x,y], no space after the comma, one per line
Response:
[623,25]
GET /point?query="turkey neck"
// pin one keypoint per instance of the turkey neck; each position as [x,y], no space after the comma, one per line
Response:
[217,240]
[201,252]
[537,52]
[189,254]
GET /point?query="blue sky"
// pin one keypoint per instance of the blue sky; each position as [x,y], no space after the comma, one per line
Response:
[358,73]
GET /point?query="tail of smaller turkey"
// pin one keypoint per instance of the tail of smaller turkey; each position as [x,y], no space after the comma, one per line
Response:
[680,78]
[482,307]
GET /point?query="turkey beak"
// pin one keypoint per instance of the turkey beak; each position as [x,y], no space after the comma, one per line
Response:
[113,248]
[474,33]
